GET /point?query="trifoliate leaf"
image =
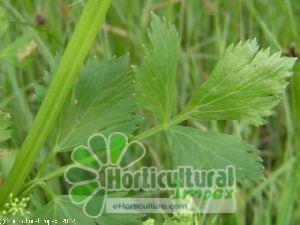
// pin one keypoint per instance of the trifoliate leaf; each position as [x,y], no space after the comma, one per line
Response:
[246,85]
[102,102]
[209,150]
[155,78]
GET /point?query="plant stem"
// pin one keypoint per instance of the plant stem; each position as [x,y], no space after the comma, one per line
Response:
[77,49]
[46,161]
[176,120]
[150,132]
[51,175]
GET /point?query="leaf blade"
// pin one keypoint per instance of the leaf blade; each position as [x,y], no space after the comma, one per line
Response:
[103,102]
[211,150]
[246,85]
[156,77]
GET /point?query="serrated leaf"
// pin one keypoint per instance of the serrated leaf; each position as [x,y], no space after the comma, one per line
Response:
[246,85]
[209,150]
[156,77]
[102,102]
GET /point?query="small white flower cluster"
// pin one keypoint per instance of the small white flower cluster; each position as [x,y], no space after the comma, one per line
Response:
[186,216]
[149,221]
[16,207]
[183,217]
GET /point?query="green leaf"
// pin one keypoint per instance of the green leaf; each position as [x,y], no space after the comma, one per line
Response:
[209,150]
[102,102]
[246,85]
[5,123]
[61,208]
[156,77]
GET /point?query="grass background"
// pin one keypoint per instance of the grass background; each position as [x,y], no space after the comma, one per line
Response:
[206,27]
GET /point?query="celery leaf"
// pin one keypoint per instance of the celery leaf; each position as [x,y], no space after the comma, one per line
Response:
[156,77]
[209,150]
[246,85]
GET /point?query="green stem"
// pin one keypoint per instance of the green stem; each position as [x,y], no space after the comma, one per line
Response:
[46,161]
[49,176]
[176,120]
[150,132]
[77,49]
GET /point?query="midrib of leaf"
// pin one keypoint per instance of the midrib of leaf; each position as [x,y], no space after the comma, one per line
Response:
[185,115]
[238,90]
[158,100]
[62,207]
[78,47]
[169,90]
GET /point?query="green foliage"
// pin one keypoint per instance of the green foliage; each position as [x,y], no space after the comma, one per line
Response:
[102,102]
[246,85]
[156,77]
[209,150]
